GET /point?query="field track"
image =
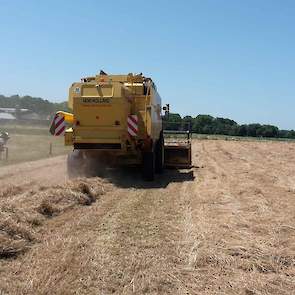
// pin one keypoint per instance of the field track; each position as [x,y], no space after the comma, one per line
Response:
[227,226]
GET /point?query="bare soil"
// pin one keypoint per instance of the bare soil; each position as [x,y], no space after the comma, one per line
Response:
[227,226]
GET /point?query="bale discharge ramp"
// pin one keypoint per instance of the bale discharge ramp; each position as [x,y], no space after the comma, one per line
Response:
[177,149]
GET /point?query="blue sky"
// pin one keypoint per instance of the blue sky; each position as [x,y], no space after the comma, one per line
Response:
[229,58]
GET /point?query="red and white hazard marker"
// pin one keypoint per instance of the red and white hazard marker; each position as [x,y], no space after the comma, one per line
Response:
[59,125]
[132,123]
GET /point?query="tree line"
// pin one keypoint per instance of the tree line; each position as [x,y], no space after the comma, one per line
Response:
[206,124]
[42,107]
[202,124]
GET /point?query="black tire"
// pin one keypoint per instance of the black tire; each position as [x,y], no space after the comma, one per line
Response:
[160,154]
[148,166]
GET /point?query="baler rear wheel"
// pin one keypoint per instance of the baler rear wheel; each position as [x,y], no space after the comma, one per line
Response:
[148,165]
[160,154]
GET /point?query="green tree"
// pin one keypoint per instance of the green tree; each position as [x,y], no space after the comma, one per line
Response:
[267,131]
[242,130]
[252,129]
[187,123]
[173,122]
[203,124]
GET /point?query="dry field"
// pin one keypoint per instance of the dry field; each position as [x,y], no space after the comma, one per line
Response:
[30,147]
[225,227]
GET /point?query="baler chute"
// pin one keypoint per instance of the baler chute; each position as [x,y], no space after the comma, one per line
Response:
[177,149]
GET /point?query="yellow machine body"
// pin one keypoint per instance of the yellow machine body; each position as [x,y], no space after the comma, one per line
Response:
[116,119]
[101,106]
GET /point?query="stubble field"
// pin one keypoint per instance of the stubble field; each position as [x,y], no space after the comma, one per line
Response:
[227,226]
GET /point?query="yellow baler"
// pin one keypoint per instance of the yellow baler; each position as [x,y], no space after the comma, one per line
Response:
[115,119]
